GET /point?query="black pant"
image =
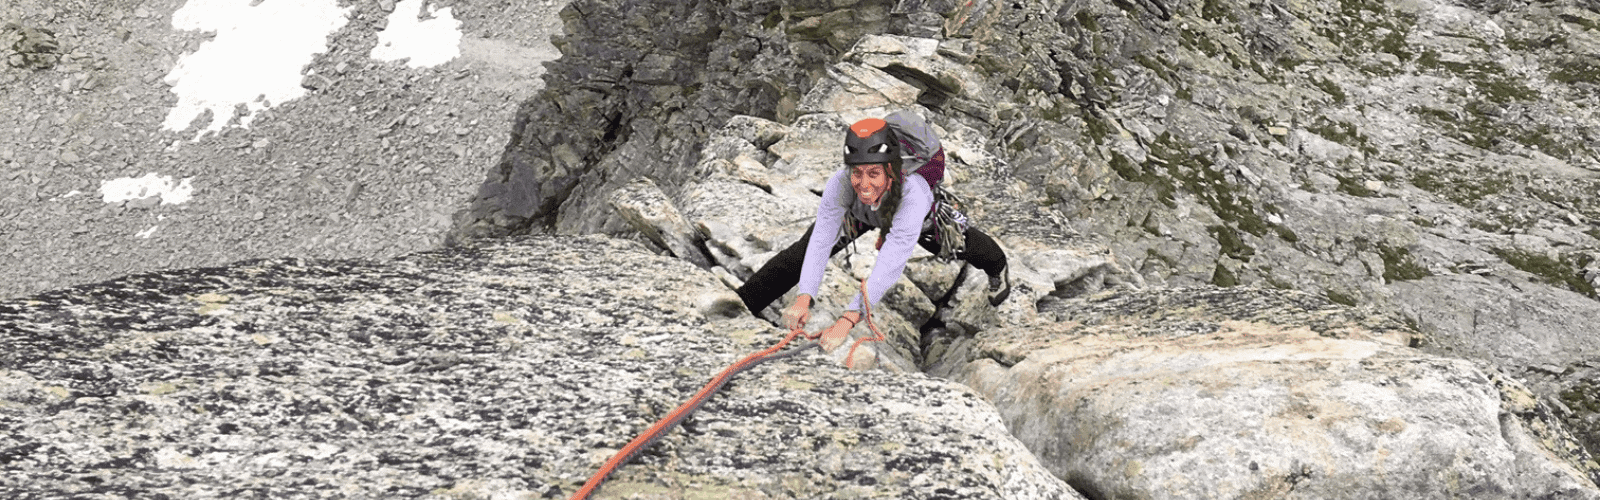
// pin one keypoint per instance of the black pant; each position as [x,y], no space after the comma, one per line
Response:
[782,272]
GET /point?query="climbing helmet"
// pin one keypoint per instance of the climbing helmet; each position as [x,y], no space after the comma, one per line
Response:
[870,141]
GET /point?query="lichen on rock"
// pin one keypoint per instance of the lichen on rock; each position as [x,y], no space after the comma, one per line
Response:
[506,369]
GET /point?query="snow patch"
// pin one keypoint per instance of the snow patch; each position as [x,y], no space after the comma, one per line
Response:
[425,42]
[128,188]
[254,61]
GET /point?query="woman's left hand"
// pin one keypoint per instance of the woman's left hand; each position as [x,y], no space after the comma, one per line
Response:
[835,335]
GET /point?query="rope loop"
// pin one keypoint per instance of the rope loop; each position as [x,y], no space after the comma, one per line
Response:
[866,315]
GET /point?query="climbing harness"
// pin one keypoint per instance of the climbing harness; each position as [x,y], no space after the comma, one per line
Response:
[948,232]
[850,230]
[949,224]
[666,424]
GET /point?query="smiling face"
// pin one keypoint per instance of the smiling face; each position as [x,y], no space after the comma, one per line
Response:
[870,181]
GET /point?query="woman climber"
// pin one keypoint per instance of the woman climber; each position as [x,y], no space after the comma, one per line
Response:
[873,191]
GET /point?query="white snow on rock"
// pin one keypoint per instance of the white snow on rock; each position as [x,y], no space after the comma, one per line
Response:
[426,42]
[255,60]
[129,188]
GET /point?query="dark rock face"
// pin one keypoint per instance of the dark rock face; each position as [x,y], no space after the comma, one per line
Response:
[510,370]
[633,96]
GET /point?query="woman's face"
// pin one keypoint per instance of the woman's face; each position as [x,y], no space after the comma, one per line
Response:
[870,182]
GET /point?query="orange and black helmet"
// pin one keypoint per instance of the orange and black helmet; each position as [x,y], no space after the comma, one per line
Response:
[870,141]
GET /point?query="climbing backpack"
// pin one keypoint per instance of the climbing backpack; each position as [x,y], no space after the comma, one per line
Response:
[919,145]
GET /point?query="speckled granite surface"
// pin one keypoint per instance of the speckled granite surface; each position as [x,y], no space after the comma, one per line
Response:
[505,371]
[1248,393]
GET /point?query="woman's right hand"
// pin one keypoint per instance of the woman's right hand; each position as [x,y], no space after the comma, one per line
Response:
[798,313]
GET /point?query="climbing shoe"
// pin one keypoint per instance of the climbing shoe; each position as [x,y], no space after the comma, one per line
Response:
[1000,286]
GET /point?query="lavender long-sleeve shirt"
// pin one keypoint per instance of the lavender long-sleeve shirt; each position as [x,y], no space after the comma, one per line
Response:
[839,201]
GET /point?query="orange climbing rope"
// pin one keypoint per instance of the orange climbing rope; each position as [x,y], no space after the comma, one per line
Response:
[866,315]
[666,424]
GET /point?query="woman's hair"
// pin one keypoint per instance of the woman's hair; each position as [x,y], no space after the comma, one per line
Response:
[891,196]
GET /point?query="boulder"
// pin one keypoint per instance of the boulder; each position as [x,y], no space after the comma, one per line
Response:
[1041,276]
[741,220]
[934,277]
[811,152]
[852,87]
[1503,319]
[923,62]
[758,132]
[29,48]
[508,370]
[651,213]
[1242,393]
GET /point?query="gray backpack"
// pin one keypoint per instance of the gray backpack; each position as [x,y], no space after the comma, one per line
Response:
[919,145]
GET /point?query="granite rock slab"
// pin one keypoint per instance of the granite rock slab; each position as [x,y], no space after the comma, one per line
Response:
[509,370]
